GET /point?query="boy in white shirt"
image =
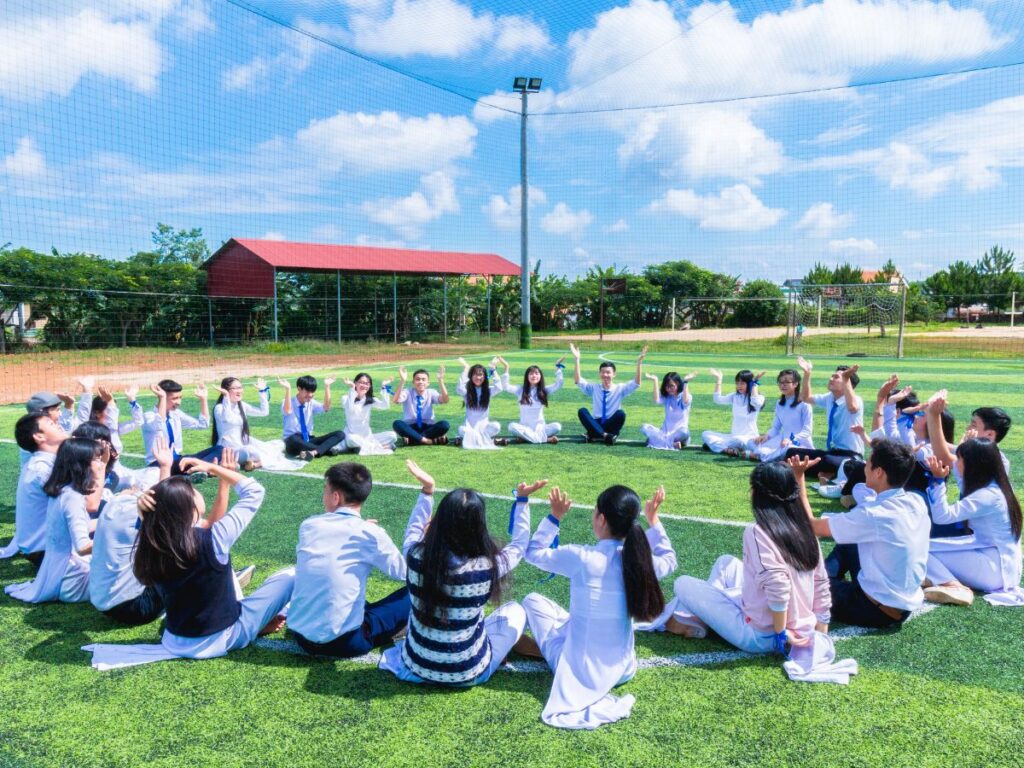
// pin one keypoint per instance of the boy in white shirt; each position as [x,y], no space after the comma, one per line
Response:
[882,543]
[168,420]
[50,403]
[843,411]
[418,427]
[607,419]
[297,420]
[39,436]
[336,552]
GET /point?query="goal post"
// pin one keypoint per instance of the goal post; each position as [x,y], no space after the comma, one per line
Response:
[862,320]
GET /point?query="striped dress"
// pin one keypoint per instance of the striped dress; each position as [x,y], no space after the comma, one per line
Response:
[452,649]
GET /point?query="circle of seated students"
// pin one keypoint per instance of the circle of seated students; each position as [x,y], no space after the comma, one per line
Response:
[140,543]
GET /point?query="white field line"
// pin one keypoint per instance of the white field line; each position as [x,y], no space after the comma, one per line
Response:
[705,659]
[499,497]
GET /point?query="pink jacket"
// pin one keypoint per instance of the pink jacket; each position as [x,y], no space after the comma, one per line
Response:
[770,583]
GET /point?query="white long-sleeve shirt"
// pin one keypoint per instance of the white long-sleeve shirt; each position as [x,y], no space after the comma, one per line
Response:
[607,401]
[229,420]
[112,418]
[30,503]
[599,646]
[154,426]
[532,413]
[111,579]
[334,557]
[475,416]
[357,412]
[795,424]
[744,421]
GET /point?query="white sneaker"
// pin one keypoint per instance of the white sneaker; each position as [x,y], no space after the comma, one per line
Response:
[949,595]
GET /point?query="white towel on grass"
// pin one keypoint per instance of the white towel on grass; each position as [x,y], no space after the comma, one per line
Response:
[816,663]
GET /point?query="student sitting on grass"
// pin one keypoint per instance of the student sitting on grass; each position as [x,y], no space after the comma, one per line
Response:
[792,425]
[478,432]
[747,402]
[418,426]
[337,550]
[57,407]
[103,408]
[591,647]
[533,400]
[674,432]
[39,437]
[168,420]
[778,595]
[358,403]
[297,420]
[74,489]
[881,543]
[455,567]
[607,419]
[843,411]
[231,428]
[989,558]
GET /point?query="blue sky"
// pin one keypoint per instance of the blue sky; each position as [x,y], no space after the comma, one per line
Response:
[118,114]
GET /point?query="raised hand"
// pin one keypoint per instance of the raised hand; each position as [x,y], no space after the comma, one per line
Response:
[440,372]
[403,374]
[201,391]
[800,465]
[805,365]
[937,468]
[900,395]
[653,504]
[146,502]
[464,363]
[132,393]
[689,377]
[261,383]
[86,383]
[969,434]
[162,453]
[223,391]
[887,387]
[643,352]
[156,390]
[859,430]
[560,360]
[650,376]
[426,481]
[348,383]
[849,372]
[574,351]
[385,384]
[716,373]
[229,459]
[190,464]
[105,394]
[285,385]
[560,502]
[525,490]
[757,376]
[329,380]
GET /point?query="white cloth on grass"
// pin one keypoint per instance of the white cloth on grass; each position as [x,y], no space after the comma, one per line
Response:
[744,422]
[816,663]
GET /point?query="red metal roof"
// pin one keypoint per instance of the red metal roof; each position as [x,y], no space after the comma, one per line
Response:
[366,259]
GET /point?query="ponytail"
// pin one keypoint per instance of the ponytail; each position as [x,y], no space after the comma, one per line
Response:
[620,507]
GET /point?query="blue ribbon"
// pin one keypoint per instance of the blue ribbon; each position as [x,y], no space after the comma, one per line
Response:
[781,643]
[387,388]
[559,365]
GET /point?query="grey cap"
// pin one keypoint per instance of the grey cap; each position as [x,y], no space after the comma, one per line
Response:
[40,401]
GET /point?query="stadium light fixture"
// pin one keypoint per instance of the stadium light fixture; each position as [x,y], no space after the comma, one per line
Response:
[524,86]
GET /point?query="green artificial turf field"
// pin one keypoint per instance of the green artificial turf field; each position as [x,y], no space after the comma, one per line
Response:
[945,690]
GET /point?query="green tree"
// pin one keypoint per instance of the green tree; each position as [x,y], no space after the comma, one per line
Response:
[183,246]
[764,305]
[997,277]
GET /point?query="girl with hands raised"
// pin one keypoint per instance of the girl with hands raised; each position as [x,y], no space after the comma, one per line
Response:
[231,427]
[746,402]
[674,432]
[590,647]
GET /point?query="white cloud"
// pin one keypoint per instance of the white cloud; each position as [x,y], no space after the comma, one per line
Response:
[273,236]
[840,134]
[562,220]
[821,220]
[504,105]
[379,242]
[852,245]
[330,233]
[518,33]
[26,161]
[387,141]
[734,208]
[49,55]
[295,57]
[503,212]
[408,215]
[618,226]
[714,50]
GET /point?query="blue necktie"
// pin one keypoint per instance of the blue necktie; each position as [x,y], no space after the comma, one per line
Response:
[170,438]
[831,414]
[302,422]
[419,411]
[604,405]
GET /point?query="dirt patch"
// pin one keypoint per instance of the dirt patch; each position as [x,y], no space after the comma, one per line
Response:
[23,374]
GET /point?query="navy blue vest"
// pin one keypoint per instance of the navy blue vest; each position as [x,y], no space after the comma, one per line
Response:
[201,601]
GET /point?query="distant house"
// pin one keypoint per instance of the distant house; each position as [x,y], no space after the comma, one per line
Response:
[895,279]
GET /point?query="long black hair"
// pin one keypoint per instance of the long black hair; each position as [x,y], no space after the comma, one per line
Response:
[226,383]
[775,497]
[796,377]
[747,376]
[369,393]
[672,376]
[167,544]
[458,528]
[542,388]
[98,409]
[95,430]
[73,466]
[485,389]
[620,507]
[983,465]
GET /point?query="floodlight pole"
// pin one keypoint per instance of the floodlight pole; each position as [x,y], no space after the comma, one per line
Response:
[525,328]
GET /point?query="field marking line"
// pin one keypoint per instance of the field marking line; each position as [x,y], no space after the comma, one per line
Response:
[701,659]
[499,497]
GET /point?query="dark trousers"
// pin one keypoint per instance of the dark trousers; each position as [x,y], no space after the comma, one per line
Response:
[381,620]
[416,435]
[830,460]
[139,610]
[598,428]
[207,454]
[918,483]
[850,604]
[321,444]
